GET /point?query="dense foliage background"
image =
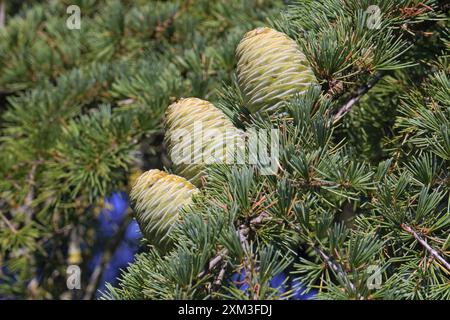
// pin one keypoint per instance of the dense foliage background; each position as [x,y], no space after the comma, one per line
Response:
[363,177]
[81,116]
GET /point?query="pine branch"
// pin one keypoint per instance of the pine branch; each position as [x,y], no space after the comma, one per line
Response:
[160,29]
[243,234]
[26,207]
[347,107]
[8,223]
[423,242]
[53,45]
[214,262]
[221,275]
[337,268]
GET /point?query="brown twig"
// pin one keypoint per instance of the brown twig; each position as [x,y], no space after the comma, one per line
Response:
[27,204]
[161,28]
[53,44]
[336,267]
[398,153]
[214,262]
[8,223]
[424,243]
[356,97]
[242,232]
[221,275]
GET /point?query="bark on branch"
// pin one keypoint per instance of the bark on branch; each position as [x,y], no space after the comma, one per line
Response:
[424,243]
[356,97]
[243,234]
[336,267]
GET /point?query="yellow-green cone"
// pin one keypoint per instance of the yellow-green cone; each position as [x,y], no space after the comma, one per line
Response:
[271,69]
[195,129]
[157,198]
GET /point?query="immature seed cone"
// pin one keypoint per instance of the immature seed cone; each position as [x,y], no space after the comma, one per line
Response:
[199,134]
[157,198]
[271,69]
